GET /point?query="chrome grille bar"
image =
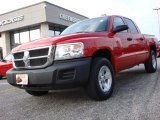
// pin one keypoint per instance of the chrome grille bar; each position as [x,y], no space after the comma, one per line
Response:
[43,59]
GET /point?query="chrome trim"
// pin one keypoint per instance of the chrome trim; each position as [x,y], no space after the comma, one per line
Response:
[26,59]
[17,60]
[33,49]
[38,57]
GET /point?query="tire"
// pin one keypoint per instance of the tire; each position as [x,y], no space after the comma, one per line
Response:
[36,93]
[1,77]
[151,64]
[100,88]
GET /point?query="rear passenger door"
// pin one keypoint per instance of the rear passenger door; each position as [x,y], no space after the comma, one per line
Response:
[138,41]
[126,54]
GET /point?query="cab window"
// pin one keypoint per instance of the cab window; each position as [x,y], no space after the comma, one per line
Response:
[117,22]
[131,26]
[8,58]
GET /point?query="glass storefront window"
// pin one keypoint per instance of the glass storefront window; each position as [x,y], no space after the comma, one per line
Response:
[29,34]
[51,33]
[34,34]
[57,32]
[16,38]
[24,37]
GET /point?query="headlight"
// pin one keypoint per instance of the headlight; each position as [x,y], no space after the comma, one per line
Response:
[68,51]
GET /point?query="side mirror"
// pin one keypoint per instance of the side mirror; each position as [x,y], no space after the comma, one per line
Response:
[120,28]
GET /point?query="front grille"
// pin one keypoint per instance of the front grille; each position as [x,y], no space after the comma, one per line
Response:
[19,63]
[39,62]
[39,52]
[33,58]
[19,55]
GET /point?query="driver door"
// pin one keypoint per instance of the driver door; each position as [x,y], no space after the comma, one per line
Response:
[125,57]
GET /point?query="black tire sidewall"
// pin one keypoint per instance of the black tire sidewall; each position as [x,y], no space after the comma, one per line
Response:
[153,53]
[149,64]
[97,64]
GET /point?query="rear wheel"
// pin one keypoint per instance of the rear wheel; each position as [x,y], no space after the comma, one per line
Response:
[36,93]
[101,83]
[151,64]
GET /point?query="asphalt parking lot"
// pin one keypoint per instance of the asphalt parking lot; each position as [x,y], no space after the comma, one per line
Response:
[136,97]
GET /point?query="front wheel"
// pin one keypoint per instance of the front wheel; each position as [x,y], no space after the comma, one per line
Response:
[151,64]
[36,93]
[101,81]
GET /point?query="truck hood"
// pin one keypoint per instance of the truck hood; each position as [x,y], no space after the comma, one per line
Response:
[54,40]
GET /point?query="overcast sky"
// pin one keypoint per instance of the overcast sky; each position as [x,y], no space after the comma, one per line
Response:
[141,11]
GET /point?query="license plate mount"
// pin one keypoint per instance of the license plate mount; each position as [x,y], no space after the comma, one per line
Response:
[22,79]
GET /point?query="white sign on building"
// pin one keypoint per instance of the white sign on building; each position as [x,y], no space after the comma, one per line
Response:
[12,20]
[68,18]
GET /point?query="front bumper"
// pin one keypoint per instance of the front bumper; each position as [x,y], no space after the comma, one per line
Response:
[61,74]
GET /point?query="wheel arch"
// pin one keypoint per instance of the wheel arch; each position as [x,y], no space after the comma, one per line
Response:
[153,47]
[106,53]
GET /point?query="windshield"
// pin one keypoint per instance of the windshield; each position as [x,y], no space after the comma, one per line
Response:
[8,58]
[89,25]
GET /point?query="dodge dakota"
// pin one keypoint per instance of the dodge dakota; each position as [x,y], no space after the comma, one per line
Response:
[87,54]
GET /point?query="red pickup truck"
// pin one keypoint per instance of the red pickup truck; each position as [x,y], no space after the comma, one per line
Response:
[88,53]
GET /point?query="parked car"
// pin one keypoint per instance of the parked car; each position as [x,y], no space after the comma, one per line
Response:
[88,54]
[5,65]
[159,48]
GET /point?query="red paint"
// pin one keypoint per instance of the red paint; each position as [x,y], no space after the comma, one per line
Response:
[4,67]
[124,53]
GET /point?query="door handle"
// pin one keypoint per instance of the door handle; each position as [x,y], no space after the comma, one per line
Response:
[129,39]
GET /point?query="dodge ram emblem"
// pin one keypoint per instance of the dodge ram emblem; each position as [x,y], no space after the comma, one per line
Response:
[25,59]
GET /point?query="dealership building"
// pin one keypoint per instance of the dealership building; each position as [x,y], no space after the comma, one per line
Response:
[33,22]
